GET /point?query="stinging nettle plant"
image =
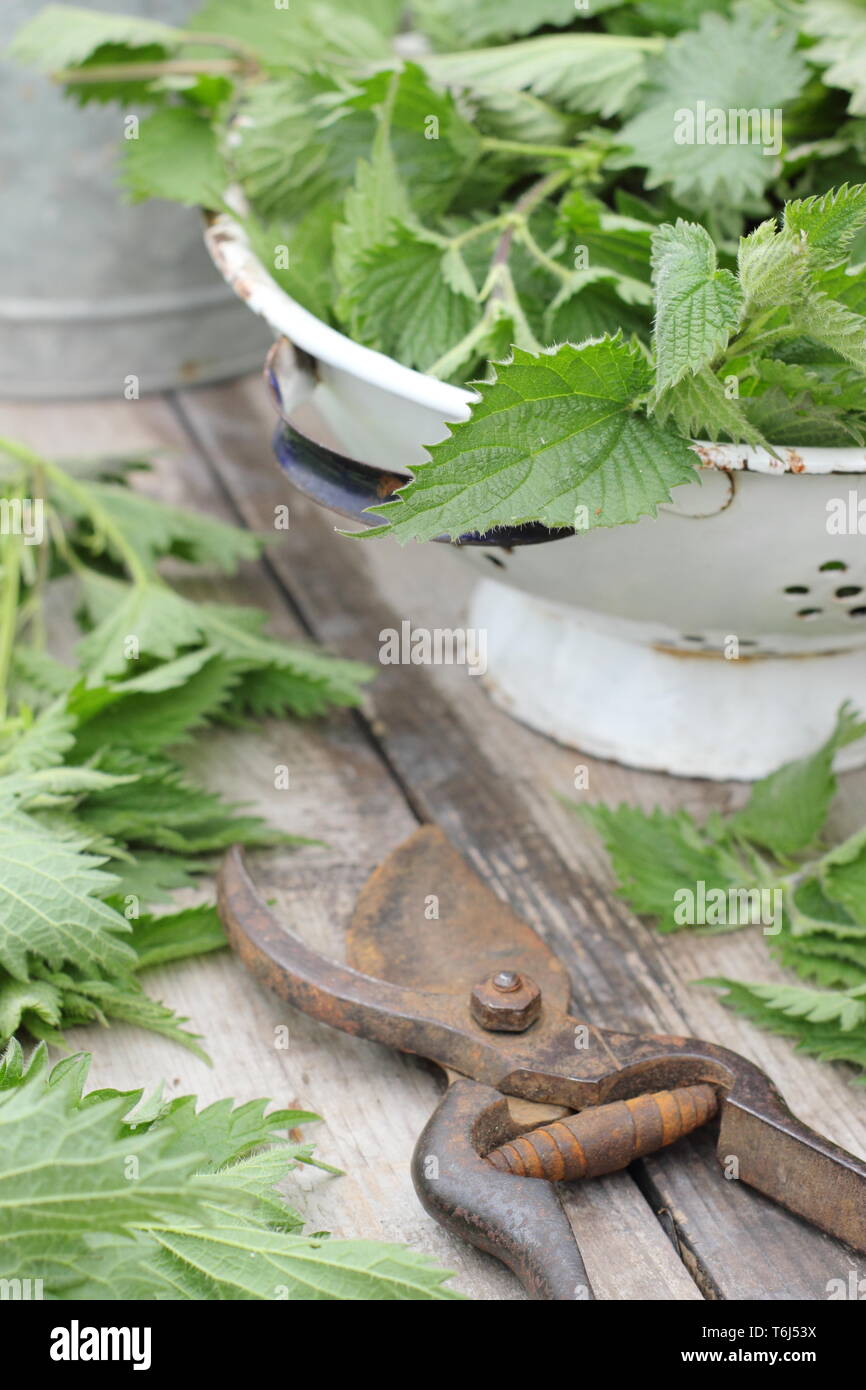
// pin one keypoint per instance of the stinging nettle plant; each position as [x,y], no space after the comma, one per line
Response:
[111,1195]
[99,820]
[777,845]
[520,204]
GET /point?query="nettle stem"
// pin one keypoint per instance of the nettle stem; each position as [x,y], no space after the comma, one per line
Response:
[523,210]
[246,63]
[103,524]
[499,291]
[494,144]
[148,72]
[9,610]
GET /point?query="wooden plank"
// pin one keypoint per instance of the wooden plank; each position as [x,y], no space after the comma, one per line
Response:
[374,1102]
[491,784]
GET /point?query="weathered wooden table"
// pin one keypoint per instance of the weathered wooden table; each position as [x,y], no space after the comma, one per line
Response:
[430,746]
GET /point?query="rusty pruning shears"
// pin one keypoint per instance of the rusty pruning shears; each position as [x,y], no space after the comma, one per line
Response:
[475,989]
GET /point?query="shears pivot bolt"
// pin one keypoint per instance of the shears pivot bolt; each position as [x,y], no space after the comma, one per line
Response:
[506,1002]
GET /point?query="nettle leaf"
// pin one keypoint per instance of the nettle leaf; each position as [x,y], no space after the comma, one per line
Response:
[656,856]
[158,621]
[306,33]
[50,907]
[300,256]
[22,1001]
[124,998]
[223,1130]
[176,157]
[592,307]
[155,529]
[453,23]
[434,146]
[840,27]
[699,409]
[780,267]
[590,73]
[828,1041]
[36,678]
[204,1218]
[192,931]
[521,116]
[831,323]
[830,222]
[65,1170]
[610,240]
[797,420]
[42,743]
[843,876]
[283,152]
[153,877]
[552,434]
[374,204]
[698,305]
[773,266]
[298,142]
[410,269]
[61,36]
[848,1007]
[824,960]
[742,62]
[198,1264]
[787,810]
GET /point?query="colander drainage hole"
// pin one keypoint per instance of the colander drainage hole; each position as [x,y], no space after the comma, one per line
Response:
[808,613]
[795,589]
[857,612]
[832,565]
[849,591]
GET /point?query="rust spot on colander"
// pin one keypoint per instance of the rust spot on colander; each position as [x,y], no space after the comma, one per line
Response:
[796,462]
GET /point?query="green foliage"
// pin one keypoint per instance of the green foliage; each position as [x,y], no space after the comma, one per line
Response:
[840,27]
[60,36]
[745,61]
[654,855]
[175,157]
[453,23]
[107,1196]
[595,74]
[773,846]
[828,1041]
[412,266]
[98,822]
[698,306]
[528,180]
[553,434]
[787,810]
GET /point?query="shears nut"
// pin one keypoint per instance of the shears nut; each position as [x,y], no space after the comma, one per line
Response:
[506,1002]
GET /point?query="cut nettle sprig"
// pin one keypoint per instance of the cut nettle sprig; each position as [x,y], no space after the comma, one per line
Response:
[99,822]
[203,1218]
[774,846]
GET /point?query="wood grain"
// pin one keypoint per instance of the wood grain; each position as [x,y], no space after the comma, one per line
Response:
[492,785]
[432,746]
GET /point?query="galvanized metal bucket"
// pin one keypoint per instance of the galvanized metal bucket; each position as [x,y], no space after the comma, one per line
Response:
[93,292]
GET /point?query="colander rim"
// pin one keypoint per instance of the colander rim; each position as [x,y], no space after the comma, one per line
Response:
[232,254]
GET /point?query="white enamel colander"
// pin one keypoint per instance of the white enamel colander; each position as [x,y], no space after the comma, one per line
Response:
[715,640]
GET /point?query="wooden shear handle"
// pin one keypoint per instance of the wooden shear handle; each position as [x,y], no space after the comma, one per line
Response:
[518,1220]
